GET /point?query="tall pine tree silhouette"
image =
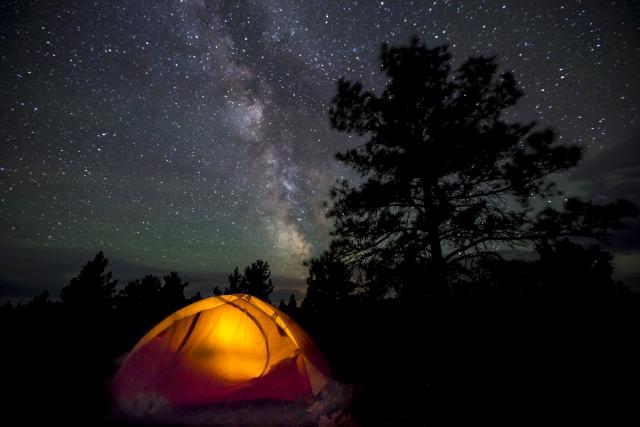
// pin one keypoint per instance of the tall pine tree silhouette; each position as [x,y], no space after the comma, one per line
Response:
[446,179]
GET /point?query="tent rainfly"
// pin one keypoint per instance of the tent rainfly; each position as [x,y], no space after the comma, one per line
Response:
[222,349]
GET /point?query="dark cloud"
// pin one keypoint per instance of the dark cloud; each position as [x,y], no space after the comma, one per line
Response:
[613,173]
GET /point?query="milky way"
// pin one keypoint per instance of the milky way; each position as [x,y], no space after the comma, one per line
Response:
[193,135]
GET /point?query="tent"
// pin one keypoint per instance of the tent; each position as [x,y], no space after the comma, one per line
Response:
[222,349]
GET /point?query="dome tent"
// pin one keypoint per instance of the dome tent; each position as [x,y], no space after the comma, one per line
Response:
[221,349]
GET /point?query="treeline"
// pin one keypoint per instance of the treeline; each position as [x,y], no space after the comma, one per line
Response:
[141,302]
[93,296]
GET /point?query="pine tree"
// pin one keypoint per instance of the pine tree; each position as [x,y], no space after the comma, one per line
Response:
[139,294]
[235,281]
[92,289]
[446,178]
[329,283]
[172,293]
[256,280]
[292,305]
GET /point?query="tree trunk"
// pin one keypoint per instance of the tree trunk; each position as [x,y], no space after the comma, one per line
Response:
[437,280]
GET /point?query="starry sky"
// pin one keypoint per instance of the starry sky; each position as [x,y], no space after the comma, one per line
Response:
[193,135]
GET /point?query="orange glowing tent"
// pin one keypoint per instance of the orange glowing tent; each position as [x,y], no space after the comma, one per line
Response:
[221,349]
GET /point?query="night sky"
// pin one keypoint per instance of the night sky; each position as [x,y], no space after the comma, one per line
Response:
[193,136]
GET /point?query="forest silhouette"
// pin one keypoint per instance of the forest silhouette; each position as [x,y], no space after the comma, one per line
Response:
[444,295]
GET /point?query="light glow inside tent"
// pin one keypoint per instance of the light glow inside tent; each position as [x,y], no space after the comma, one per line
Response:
[225,348]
